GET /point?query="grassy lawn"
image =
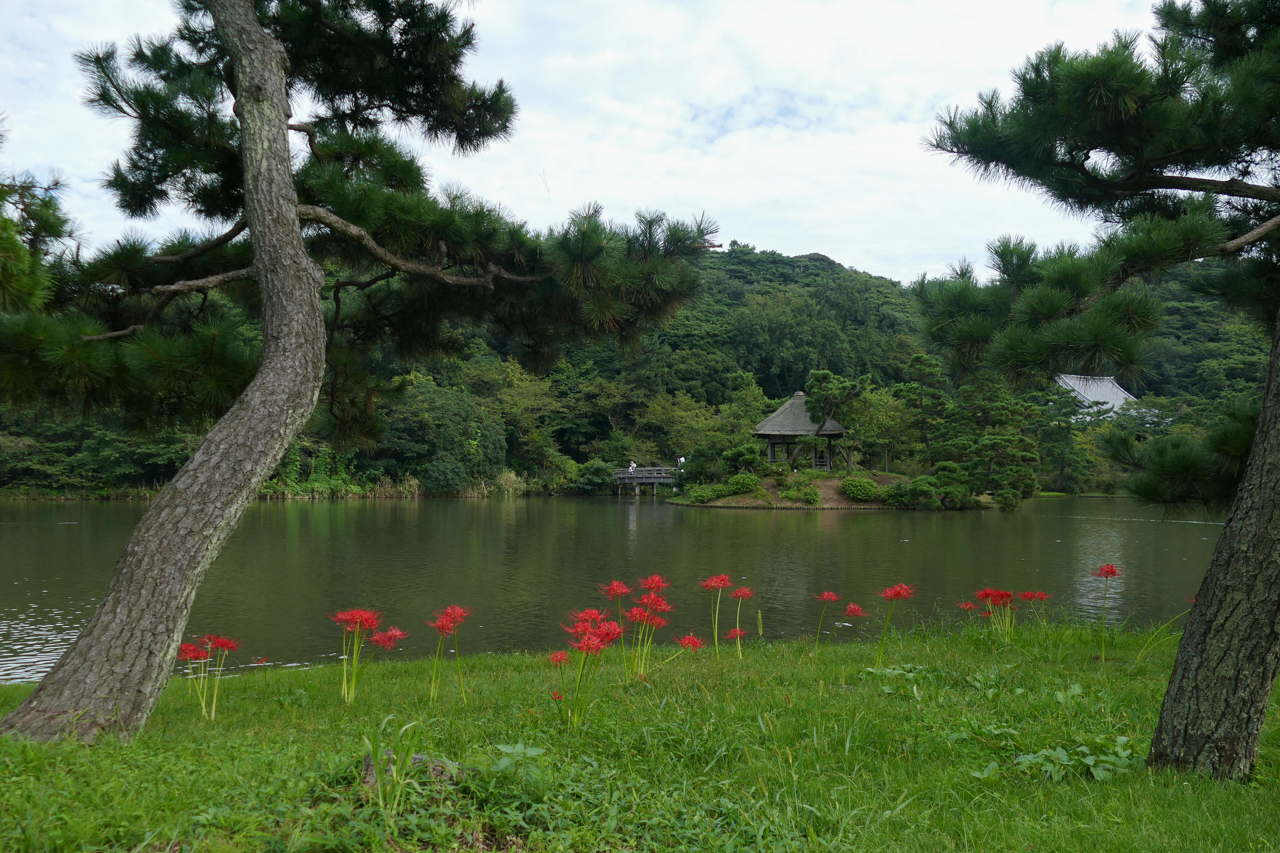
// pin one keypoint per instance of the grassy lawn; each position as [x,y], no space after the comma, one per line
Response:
[779,751]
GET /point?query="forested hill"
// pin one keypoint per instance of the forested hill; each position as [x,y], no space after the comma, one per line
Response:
[478,420]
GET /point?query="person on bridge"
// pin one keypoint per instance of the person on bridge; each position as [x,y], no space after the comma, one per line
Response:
[633,467]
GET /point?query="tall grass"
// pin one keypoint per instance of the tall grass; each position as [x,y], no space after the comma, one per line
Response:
[955,743]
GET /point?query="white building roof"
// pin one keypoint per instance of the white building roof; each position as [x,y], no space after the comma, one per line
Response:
[1096,389]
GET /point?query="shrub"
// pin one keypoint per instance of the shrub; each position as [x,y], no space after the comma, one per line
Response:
[807,494]
[743,484]
[1008,499]
[594,478]
[703,494]
[860,488]
[897,494]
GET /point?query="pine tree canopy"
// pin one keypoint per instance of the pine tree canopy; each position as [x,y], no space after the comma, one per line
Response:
[1172,143]
[168,331]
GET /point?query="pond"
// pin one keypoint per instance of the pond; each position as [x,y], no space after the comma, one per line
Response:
[521,564]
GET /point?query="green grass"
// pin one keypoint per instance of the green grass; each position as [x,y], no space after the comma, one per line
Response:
[777,752]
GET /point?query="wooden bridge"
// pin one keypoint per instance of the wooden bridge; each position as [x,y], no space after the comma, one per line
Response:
[643,477]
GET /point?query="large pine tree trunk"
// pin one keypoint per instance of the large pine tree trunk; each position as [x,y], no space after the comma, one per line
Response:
[1221,684]
[112,675]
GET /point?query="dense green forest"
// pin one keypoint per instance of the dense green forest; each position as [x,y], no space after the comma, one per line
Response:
[482,418]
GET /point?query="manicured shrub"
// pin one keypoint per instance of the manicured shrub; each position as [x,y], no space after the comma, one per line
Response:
[743,484]
[1008,499]
[860,488]
[897,494]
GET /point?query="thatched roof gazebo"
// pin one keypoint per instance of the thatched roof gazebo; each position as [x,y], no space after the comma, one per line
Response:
[783,429]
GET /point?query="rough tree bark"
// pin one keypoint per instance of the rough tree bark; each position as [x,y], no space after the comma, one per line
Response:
[1218,693]
[112,675]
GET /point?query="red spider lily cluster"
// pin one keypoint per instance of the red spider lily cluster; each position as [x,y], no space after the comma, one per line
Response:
[206,657]
[891,594]
[646,620]
[447,622]
[591,633]
[357,626]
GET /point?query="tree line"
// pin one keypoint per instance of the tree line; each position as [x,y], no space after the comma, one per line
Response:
[483,418]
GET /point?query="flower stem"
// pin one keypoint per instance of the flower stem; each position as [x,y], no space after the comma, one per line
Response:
[737,624]
[1106,582]
[458,655]
[884,634]
[715,622]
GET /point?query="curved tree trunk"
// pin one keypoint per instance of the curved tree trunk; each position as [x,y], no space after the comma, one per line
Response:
[112,675]
[1221,683]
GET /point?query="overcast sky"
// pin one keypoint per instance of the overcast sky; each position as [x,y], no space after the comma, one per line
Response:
[796,125]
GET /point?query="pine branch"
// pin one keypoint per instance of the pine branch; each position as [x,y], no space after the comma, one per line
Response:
[312,138]
[106,336]
[1232,246]
[180,287]
[169,292]
[203,248]
[432,273]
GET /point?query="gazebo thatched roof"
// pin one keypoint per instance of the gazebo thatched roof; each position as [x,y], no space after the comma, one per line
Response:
[792,420]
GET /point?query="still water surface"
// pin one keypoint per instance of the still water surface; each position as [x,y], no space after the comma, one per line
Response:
[522,563]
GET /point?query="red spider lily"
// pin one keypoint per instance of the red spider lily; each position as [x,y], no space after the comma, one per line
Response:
[637,614]
[742,593]
[891,594]
[854,611]
[260,661]
[827,597]
[458,613]
[735,634]
[994,597]
[999,610]
[897,592]
[214,643]
[559,658]
[588,644]
[444,625]
[615,590]
[588,615]
[1034,596]
[447,623]
[967,605]
[690,643]
[191,653]
[654,583]
[1107,571]
[206,656]
[655,602]
[386,640]
[556,697]
[717,584]
[656,622]
[358,620]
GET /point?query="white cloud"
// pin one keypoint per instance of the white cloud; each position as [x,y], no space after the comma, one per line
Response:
[797,126]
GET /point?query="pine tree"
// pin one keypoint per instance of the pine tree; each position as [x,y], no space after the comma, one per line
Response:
[317,266]
[1173,145]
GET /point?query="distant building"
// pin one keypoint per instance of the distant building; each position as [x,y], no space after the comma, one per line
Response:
[783,429]
[1102,391]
